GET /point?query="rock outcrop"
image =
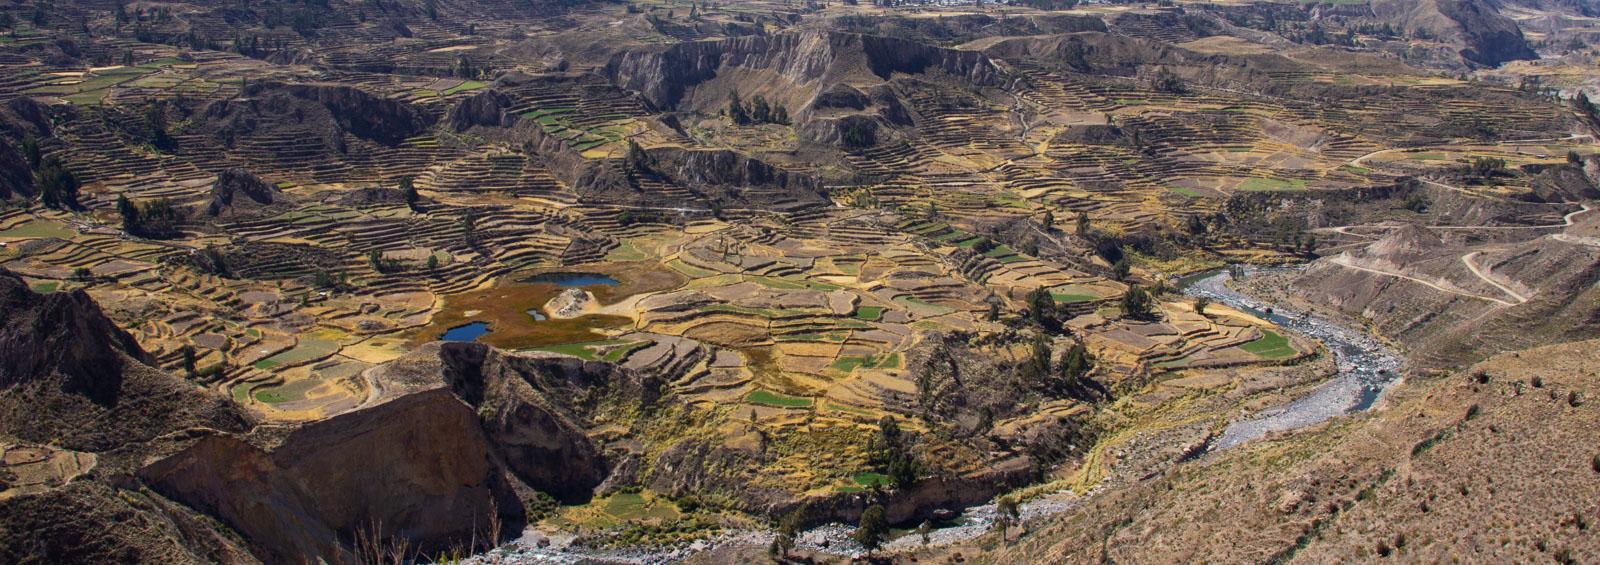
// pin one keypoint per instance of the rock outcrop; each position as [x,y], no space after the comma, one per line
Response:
[72,377]
[325,112]
[1481,34]
[485,108]
[790,68]
[238,185]
[415,471]
[72,380]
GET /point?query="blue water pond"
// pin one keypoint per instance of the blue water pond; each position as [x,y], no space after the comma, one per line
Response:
[467,332]
[572,279]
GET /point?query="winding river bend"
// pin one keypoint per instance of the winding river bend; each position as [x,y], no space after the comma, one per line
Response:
[1366,368]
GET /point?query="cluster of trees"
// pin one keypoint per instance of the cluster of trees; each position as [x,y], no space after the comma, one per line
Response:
[256,46]
[1068,378]
[1586,107]
[157,219]
[1042,310]
[1487,167]
[889,451]
[759,111]
[465,68]
[1046,4]
[211,260]
[1418,202]
[469,230]
[1168,82]
[155,120]
[408,191]
[1137,303]
[57,186]
[631,217]
[386,265]
[1320,36]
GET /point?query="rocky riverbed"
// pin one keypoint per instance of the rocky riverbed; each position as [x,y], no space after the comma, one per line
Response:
[1366,366]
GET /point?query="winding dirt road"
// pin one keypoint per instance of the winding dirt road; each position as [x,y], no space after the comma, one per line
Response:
[1473,266]
[1344,261]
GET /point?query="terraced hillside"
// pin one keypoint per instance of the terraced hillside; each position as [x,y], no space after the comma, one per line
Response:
[637,274]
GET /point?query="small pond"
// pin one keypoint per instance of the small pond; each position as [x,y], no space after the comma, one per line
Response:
[466,332]
[572,279]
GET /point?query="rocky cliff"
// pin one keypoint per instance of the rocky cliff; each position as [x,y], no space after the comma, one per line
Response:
[73,378]
[74,384]
[1481,34]
[326,112]
[415,471]
[790,68]
[241,186]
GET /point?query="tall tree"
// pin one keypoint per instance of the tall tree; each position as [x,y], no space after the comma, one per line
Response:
[873,529]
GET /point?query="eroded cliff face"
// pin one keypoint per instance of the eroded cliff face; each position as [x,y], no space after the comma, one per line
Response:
[241,187]
[75,385]
[794,67]
[530,409]
[71,377]
[325,112]
[1482,34]
[417,469]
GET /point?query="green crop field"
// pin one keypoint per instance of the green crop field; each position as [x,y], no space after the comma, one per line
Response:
[1271,345]
[774,399]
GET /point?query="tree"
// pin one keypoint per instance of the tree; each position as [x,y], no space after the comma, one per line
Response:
[1082,227]
[30,150]
[1074,366]
[1136,303]
[129,213]
[1006,513]
[1121,269]
[1049,221]
[873,529]
[736,109]
[760,111]
[188,360]
[408,190]
[1200,304]
[155,118]
[58,188]
[1036,369]
[788,531]
[433,261]
[1042,309]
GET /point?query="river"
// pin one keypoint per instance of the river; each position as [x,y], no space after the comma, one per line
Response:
[1366,368]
